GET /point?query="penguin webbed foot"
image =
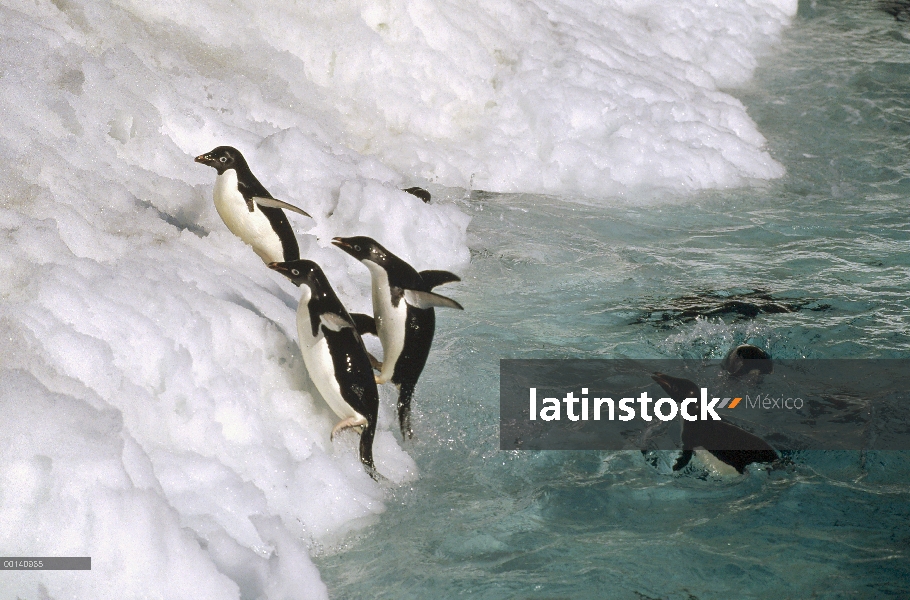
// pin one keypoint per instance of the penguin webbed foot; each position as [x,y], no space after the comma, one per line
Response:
[375,363]
[349,423]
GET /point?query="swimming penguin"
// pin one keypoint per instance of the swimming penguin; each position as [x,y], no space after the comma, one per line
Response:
[746,359]
[334,354]
[248,209]
[711,440]
[404,319]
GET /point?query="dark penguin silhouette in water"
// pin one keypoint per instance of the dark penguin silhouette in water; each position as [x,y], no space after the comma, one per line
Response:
[403,316]
[248,209]
[717,443]
[746,359]
[334,354]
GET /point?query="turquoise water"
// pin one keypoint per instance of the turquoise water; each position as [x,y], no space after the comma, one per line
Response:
[555,277]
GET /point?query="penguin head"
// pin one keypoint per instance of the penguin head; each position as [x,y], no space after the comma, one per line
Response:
[301,272]
[222,158]
[747,359]
[678,388]
[364,249]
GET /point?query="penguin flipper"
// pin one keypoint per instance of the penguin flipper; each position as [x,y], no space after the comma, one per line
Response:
[274,203]
[683,460]
[334,321]
[429,300]
[364,323]
[433,278]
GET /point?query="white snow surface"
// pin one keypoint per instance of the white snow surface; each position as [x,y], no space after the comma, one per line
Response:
[154,410]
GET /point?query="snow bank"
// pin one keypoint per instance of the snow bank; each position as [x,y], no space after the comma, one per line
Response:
[154,410]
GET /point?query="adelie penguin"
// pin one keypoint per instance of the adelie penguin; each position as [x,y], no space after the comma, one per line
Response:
[248,209]
[746,359]
[403,316]
[722,446]
[334,354]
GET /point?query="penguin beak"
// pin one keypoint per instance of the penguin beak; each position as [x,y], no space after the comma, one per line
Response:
[675,385]
[341,243]
[658,377]
[663,381]
[204,159]
[284,270]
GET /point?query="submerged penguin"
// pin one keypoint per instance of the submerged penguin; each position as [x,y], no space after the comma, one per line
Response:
[248,209]
[746,359]
[334,354]
[711,440]
[403,316]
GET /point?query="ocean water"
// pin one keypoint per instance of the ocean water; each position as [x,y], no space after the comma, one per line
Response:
[557,277]
[598,170]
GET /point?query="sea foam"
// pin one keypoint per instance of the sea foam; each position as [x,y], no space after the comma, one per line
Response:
[154,409]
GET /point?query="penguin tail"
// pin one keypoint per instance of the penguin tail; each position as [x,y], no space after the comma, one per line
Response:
[405,393]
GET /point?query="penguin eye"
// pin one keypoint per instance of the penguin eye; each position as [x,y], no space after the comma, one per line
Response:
[356,248]
[223,159]
[295,272]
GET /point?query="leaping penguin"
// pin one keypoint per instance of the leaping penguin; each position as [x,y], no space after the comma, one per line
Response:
[248,209]
[334,354]
[712,440]
[403,316]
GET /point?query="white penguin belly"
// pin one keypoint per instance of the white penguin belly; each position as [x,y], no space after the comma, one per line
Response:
[717,467]
[319,365]
[390,321]
[254,228]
